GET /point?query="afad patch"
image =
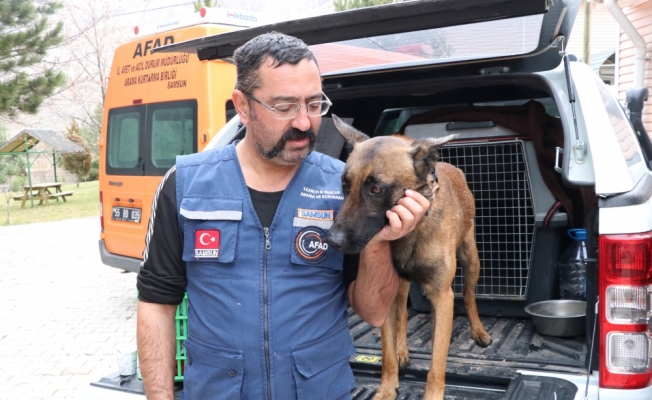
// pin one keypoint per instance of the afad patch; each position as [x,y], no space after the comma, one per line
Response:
[310,244]
[323,215]
[207,243]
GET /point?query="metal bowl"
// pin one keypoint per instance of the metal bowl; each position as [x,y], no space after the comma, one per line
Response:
[561,318]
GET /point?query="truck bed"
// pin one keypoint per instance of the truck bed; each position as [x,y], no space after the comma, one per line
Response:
[471,371]
[470,368]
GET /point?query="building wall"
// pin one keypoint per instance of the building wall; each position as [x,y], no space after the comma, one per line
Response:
[604,31]
[641,17]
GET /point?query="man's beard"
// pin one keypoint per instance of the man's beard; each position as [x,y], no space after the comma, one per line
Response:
[290,134]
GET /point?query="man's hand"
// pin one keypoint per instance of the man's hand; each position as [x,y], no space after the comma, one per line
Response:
[371,295]
[403,217]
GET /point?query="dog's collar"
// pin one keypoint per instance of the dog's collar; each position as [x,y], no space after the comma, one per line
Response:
[434,185]
[434,188]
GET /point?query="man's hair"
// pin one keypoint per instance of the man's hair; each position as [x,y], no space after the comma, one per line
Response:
[280,48]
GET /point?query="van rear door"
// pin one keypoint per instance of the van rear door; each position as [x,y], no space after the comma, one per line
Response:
[142,140]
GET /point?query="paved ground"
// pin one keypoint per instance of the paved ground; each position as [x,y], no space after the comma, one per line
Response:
[63,313]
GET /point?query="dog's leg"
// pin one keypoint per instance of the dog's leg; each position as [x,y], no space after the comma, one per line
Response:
[389,379]
[402,352]
[441,299]
[467,255]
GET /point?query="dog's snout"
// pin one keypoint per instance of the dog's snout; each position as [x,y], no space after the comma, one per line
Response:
[336,238]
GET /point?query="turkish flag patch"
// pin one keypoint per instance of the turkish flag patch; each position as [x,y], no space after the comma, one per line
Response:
[207,243]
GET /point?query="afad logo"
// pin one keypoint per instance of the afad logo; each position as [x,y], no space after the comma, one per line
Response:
[240,16]
[310,244]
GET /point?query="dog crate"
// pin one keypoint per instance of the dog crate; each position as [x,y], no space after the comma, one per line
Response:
[511,202]
[497,174]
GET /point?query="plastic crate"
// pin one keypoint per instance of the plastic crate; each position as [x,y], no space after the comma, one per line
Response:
[181,324]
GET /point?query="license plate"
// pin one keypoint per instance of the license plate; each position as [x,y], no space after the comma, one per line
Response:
[126,214]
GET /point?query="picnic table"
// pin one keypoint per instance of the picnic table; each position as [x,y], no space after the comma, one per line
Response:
[43,192]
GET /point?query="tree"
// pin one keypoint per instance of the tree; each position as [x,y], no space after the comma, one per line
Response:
[342,5]
[25,38]
[199,4]
[90,130]
[93,30]
[10,165]
[77,163]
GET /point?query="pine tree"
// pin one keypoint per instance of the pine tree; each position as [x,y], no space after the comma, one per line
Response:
[77,163]
[25,37]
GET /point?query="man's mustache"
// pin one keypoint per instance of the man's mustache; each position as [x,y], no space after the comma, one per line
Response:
[291,134]
[297,134]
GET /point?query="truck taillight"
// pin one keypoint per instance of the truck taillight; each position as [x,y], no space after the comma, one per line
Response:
[628,352]
[625,263]
[627,304]
[101,211]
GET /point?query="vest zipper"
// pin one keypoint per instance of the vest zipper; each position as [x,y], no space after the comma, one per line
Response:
[268,245]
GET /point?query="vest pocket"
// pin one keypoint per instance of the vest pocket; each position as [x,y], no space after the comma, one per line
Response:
[210,228]
[321,368]
[309,245]
[212,372]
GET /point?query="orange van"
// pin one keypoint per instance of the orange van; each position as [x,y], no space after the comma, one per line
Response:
[157,106]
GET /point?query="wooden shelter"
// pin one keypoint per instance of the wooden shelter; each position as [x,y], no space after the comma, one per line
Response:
[21,144]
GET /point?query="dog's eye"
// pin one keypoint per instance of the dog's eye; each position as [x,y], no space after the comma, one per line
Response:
[376,189]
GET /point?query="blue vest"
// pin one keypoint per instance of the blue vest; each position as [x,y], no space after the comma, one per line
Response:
[267,312]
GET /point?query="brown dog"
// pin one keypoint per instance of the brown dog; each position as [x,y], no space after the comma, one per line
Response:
[375,177]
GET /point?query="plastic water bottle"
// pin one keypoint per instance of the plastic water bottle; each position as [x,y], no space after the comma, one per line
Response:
[572,268]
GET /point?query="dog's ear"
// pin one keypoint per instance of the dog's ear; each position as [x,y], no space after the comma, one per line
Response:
[424,153]
[349,133]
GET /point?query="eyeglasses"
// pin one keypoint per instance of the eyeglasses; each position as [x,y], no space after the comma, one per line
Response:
[291,110]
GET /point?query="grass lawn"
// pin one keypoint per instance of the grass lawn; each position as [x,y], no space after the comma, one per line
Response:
[85,202]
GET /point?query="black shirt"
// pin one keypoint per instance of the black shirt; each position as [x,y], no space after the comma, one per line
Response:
[162,277]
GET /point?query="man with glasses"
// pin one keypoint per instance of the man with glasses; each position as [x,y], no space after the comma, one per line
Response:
[242,230]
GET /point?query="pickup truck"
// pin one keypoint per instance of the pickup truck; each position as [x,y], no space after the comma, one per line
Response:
[545,148]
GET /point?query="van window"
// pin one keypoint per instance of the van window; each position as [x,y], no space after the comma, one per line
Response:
[230,110]
[124,131]
[173,129]
[145,139]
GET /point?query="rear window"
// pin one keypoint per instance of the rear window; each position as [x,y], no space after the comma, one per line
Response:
[173,130]
[479,40]
[124,131]
[145,139]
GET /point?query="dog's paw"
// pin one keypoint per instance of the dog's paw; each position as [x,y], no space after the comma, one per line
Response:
[403,360]
[483,339]
[403,356]
[385,393]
